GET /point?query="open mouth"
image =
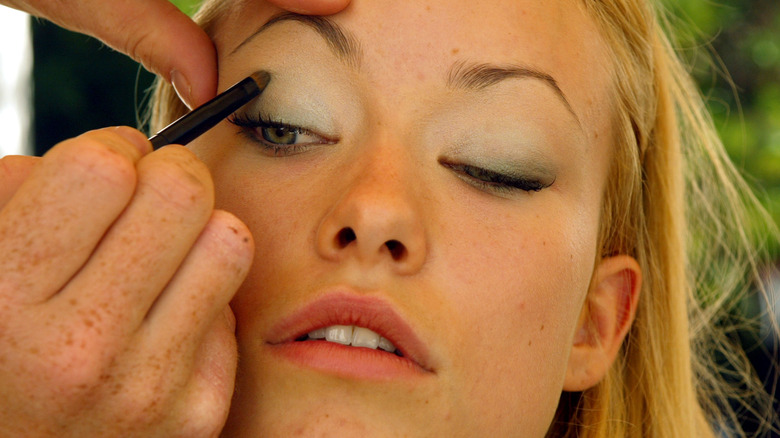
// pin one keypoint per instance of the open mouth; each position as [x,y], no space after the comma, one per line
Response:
[351,335]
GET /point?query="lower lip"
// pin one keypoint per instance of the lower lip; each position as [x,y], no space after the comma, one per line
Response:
[349,362]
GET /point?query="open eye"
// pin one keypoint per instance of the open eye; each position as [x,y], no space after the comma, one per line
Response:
[278,137]
[281,134]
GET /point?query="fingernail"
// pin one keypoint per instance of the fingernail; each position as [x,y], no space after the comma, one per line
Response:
[182,87]
[135,137]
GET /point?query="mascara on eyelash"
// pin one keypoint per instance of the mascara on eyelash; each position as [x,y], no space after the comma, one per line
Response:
[198,121]
[259,124]
[498,181]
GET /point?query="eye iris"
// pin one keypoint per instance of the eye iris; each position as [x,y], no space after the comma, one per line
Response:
[280,135]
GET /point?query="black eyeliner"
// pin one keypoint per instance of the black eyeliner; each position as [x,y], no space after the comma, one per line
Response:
[196,122]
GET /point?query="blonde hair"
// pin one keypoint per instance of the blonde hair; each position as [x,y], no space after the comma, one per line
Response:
[676,203]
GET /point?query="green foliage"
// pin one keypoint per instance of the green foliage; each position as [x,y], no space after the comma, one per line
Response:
[741,82]
[187,6]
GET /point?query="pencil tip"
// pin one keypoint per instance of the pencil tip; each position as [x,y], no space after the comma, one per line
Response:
[261,78]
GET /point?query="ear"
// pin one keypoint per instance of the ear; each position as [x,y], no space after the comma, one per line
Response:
[606,316]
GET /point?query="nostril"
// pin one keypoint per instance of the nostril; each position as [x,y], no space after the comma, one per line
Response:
[345,237]
[397,249]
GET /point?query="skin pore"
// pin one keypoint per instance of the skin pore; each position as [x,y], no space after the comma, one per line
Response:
[446,177]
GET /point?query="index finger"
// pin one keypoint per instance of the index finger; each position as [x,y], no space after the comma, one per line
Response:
[54,221]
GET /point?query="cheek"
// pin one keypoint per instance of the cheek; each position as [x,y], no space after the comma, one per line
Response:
[519,299]
[536,265]
[511,283]
[278,220]
[274,211]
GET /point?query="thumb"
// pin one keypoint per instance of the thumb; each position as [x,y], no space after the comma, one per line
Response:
[153,32]
[213,377]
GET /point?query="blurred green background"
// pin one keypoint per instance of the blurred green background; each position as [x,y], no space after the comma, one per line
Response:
[734,50]
[79,84]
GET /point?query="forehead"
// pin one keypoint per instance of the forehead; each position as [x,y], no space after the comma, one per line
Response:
[424,39]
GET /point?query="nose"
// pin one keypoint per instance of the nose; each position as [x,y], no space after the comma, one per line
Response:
[376,219]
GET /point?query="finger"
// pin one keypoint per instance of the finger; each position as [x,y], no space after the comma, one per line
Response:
[207,402]
[189,330]
[187,346]
[14,169]
[165,40]
[143,249]
[195,389]
[153,32]
[205,283]
[60,213]
[312,7]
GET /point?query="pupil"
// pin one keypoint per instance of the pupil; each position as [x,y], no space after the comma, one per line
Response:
[280,135]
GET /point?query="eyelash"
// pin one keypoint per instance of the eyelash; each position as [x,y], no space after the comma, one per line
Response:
[253,128]
[481,178]
[497,182]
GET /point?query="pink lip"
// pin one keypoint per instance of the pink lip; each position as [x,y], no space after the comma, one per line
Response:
[347,361]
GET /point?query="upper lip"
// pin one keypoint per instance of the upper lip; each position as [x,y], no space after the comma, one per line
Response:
[343,308]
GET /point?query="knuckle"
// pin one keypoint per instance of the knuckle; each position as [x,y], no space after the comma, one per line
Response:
[148,398]
[93,159]
[140,40]
[81,362]
[179,178]
[5,167]
[141,48]
[206,418]
[12,166]
[142,406]
[72,373]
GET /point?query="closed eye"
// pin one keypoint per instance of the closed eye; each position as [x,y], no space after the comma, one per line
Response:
[490,180]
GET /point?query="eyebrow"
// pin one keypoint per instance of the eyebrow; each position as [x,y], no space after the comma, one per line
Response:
[341,43]
[461,75]
[468,76]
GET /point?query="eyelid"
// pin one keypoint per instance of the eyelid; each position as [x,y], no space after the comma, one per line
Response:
[498,181]
[249,123]
[262,119]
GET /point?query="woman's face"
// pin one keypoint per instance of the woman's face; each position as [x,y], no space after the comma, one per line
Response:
[428,172]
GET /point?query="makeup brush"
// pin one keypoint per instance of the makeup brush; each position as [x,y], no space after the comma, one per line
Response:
[201,119]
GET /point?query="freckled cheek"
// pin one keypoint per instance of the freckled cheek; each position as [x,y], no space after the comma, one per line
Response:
[519,291]
[518,279]
[275,217]
[537,256]
[270,209]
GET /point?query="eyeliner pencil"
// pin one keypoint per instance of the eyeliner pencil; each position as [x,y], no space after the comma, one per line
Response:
[201,119]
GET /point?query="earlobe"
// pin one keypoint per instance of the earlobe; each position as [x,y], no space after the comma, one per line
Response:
[606,316]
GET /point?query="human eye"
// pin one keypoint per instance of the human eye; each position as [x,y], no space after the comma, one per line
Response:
[498,182]
[277,137]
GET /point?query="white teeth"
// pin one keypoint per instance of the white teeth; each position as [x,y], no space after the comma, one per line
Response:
[386,345]
[352,335]
[339,333]
[317,334]
[363,337]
